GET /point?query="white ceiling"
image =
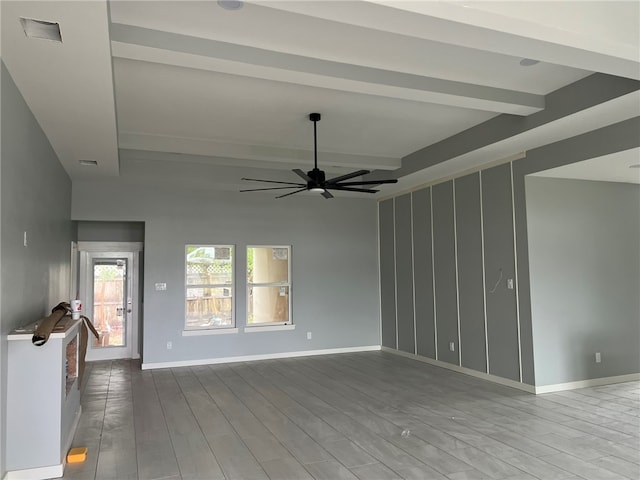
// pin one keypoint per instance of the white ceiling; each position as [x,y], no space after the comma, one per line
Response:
[191,83]
[623,167]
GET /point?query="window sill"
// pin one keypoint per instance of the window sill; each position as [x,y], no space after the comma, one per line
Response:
[268,328]
[217,331]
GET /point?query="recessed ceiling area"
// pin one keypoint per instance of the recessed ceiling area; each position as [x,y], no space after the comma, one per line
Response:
[621,167]
[192,83]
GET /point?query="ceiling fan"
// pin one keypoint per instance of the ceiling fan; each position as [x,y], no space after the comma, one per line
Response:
[315,180]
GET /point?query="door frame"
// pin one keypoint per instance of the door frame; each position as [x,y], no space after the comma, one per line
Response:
[88,251]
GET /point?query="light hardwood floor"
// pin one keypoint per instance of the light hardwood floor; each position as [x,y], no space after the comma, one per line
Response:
[343,417]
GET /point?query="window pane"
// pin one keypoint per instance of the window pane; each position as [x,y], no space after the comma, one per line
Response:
[209,307]
[209,265]
[267,265]
[268,305]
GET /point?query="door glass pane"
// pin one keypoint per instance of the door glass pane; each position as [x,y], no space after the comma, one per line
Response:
[209,307]
[268,305]
[109,312]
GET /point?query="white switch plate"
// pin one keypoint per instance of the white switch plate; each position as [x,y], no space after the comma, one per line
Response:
[452,346]
[510,283]
[25,239]
[169,345]
[598,357]
[309,335]
[161,287]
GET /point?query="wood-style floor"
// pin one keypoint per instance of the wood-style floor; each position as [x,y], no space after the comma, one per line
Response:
[343,417]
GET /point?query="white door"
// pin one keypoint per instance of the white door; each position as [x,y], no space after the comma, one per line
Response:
[108,290]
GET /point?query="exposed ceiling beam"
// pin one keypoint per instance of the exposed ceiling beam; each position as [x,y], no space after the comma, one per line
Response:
[144,44]
[221,149]
[467,25]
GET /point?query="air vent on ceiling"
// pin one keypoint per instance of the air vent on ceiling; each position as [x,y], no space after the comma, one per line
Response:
[41,29]
[231,4]
[529,62]
[91,163]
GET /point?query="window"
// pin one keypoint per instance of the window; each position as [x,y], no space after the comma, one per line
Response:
[209,287]
[268,285]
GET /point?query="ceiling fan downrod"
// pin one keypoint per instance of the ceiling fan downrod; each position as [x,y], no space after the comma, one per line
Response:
[315,118]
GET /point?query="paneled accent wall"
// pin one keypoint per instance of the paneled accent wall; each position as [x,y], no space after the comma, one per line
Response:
[471,304]
[448,273]
[387,247]
[405,312]
[423,273]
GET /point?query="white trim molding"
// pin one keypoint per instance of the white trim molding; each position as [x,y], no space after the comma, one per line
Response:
[251,358]
[467,371]
[110,246]
[594,382]
[208,331]
[267,328]
[38,473]
[558,387]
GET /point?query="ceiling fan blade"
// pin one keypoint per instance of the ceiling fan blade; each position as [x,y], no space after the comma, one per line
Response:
[291,193]
[269,188]
[326,194]
[369,182]
[302,174]
[348,176]
[270,181]
[350,189]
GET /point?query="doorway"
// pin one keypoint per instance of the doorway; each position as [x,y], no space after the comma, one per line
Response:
[109,288]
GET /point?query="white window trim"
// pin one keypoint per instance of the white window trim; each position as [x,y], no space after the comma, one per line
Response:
[209,331]
[212,330]
[249,328]
[268,328]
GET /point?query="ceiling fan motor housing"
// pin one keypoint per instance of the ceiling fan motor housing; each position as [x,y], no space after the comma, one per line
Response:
[317,178]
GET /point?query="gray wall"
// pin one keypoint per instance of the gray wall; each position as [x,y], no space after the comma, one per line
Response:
[387,273]
[445,275]
[584,254]
[470,272]
[334,261]
[36,198]
[463,238]
[110,231]
[404,274]
[489,211]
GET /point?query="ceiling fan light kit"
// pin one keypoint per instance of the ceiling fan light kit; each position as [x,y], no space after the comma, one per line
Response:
[315,179]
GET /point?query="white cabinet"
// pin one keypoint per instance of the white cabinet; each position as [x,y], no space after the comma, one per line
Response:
[43,401]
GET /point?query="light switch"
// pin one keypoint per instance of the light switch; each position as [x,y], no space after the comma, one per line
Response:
[161,287]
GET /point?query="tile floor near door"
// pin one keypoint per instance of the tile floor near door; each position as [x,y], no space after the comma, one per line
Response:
[343,417]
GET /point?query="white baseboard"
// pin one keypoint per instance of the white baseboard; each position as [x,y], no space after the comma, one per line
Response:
[251,358]
[40,473]
[594,382]
[467,371]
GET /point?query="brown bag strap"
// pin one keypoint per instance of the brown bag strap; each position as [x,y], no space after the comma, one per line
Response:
[88,323]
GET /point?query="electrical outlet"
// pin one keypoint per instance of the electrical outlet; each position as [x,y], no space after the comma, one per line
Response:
[510,283]
[452,346]
[169,345]
[598,357]
[161,287]
[309,335]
